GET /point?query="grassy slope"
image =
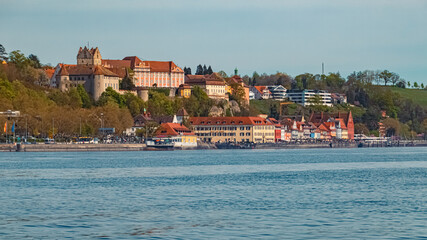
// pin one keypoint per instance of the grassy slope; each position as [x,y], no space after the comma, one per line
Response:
[417,95]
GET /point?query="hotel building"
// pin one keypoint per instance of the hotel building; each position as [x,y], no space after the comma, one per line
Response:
[233,129]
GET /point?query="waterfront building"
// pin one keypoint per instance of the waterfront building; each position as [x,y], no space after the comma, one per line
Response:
[305,97]
[233,129]
[178,134]
[333,121]
[279,130]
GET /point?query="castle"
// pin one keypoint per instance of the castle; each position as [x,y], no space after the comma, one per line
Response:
[88,72]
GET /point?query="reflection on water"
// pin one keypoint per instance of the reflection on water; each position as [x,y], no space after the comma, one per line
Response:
[295,194]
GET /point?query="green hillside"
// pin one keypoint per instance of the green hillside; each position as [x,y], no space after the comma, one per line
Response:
[417,95]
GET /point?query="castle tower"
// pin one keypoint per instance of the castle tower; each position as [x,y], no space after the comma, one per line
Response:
[87,56]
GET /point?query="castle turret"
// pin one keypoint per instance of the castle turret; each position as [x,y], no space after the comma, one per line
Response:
[87,56]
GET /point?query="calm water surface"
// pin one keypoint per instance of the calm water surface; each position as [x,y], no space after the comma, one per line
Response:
[225,194]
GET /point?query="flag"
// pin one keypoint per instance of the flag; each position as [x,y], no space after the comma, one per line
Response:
[5,127]
[13,127]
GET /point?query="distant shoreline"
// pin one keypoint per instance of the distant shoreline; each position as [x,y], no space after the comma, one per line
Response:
[142,147]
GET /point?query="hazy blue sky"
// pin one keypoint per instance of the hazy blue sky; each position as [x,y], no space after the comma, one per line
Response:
[293,36]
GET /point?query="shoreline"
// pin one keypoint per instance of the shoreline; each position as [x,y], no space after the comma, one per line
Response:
[204,146]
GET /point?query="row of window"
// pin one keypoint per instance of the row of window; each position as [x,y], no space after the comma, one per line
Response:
[243,134]
[217,134]
[77,78]
[113,85]
[263,133]
[217,128]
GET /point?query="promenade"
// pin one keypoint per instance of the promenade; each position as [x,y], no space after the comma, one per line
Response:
[63,147]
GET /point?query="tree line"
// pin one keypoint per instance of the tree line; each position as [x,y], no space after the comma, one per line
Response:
[200,70]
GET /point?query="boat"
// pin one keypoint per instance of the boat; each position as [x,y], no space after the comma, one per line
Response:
[156,144]
[234,145]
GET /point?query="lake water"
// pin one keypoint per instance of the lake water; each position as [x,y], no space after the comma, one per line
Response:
[225,194]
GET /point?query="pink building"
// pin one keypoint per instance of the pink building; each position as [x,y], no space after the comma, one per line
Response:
[150,73]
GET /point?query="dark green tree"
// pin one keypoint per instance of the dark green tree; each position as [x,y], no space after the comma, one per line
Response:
[415,85]
[209,70]
[199,70]
[127,83]
[19,59]
[34,61]
[205,70]
[74,98]
[84,96]
[3,54]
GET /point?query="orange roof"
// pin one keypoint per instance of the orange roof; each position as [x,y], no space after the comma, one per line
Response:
[323,128]
[135,61]
[110,63]
[229,121]
[155,66]
[49,72]
[342,123]
[329,125]
[173,129]
[203,80]
[85,70]
[260,89]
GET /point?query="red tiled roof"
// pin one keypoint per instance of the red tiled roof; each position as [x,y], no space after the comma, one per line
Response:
[203,80]
[229,121]
[85,70]
[155,66]
[110,63]
[49,72]
[135,61]
[260,89]
[329,125]
[173,129]
[323,128]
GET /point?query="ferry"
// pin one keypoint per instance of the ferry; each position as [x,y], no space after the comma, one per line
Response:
[159,144]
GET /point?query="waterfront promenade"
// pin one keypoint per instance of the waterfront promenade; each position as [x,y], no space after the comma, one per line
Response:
[63,147]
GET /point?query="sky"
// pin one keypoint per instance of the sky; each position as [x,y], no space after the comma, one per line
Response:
[267,36]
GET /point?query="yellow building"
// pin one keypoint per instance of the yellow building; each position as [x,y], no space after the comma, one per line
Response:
[233,129]
[179,134]
[214,88]
[184,91]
